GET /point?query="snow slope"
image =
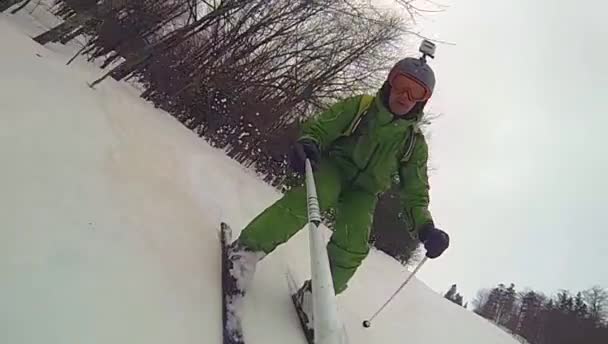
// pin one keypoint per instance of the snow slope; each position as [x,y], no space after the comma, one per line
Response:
[109,211]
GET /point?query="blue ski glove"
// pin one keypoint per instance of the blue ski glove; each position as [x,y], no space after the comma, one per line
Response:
[434,239]
[301,150]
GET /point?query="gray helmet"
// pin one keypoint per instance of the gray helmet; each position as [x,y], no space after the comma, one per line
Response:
[416,68]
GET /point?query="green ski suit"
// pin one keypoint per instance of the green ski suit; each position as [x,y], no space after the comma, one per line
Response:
[363,147]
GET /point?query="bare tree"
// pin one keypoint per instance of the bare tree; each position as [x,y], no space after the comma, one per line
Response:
[482,297]
[416,8]
[597,301]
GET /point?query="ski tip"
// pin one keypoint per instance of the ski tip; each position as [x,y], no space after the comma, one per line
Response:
[224,225]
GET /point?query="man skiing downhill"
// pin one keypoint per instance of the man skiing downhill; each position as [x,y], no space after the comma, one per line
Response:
[355,147]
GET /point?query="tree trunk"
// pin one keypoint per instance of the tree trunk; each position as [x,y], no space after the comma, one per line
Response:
[54,34]
[122,70]
[6,4]
[66,38]
[20,7]
[76,55]
[65,28]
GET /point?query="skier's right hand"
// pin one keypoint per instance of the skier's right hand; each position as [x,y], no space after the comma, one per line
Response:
[300,151]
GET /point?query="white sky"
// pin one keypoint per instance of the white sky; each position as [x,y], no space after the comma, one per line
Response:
[520,150]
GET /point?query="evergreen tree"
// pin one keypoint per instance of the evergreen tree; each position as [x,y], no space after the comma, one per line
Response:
[489,310]
[530,311]
[580,307]
[458,299]
[507,306]
[565,302]
[451,293]
[562,319]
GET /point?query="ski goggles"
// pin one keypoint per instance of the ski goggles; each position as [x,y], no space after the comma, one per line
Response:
[404,84]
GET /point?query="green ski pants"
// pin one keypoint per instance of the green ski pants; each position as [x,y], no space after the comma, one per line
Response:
[348,245]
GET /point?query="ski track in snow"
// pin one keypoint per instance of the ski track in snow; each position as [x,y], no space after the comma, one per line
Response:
[109,223]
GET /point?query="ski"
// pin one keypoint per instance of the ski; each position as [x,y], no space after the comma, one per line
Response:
[230,337]
[292,286]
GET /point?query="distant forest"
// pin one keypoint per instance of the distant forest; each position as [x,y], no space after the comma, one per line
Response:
[533,317]
[242,74]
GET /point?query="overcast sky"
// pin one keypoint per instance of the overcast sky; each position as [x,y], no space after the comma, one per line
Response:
[520,151]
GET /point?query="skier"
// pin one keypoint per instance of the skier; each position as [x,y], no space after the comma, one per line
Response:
[355,148]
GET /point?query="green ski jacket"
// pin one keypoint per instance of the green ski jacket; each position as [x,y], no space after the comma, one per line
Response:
[371,147]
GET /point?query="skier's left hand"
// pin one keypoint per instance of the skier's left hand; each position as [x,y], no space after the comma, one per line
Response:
[434,239]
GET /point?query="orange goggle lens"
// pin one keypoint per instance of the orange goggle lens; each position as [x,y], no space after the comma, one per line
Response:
[402,84]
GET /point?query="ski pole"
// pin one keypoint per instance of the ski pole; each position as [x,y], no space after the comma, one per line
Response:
[368,323]
[326,324]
